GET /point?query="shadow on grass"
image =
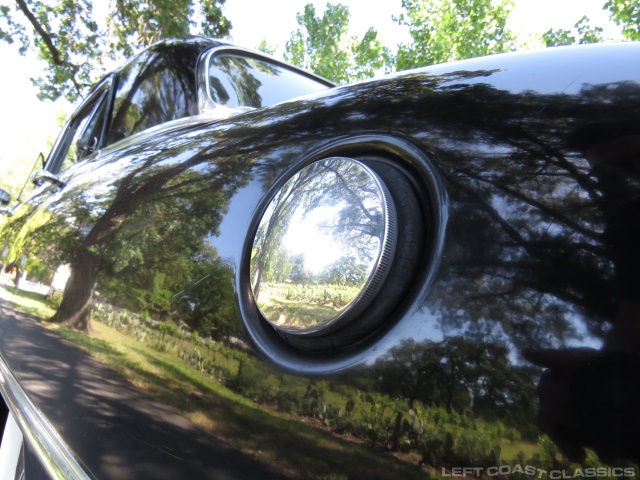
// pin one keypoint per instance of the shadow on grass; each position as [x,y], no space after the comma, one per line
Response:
[32,303]
[103,350]
[295,448]
[307,451]
[299,314]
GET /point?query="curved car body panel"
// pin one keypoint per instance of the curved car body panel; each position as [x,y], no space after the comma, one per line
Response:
[525,170]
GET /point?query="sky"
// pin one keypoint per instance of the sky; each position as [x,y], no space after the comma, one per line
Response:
[27,122]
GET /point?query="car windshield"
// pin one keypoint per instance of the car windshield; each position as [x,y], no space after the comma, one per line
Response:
[242,81]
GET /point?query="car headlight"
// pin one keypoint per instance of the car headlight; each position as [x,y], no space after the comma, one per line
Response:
[342,247]
[323,247]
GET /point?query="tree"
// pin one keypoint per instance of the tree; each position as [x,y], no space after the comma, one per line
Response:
[626,13]
[586,34]
[145,22]
[266,47]
[122,237]
[142,228]
[207,304]
[14,175]
[458,374]
[323,46]
[345,271]
[73,42]
[354,226]
[453,30]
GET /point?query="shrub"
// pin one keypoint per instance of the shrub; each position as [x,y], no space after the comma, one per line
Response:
[55,299]
[248,379]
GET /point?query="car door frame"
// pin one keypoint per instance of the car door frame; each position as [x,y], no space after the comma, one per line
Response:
[103,91]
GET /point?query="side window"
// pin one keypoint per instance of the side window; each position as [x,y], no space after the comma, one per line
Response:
[243,81]
[86,134]
[82,134]
[154,88]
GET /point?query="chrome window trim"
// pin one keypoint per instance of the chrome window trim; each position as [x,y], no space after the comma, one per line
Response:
[91,102]
[52,452]
[206,103]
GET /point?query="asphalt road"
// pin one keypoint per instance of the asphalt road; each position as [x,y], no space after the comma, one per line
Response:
[117,431]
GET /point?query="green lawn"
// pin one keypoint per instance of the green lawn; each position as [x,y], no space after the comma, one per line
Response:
[297,313]
[510,450]
[29,302]
[291,444]
[296,449]
[284,442]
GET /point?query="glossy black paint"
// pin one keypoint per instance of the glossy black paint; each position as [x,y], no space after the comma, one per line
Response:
[157,87]
[526,174]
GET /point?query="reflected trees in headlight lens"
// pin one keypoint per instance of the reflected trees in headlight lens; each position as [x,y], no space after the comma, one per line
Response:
[323,246]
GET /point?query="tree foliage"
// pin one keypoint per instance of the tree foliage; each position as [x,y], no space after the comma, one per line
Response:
[626,13]
[73,41]
[136,22]
[266,47]
[13,176]
[453,30]
[458,374]
[585,34]
[323,45]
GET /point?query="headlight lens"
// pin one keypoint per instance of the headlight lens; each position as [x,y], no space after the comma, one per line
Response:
[323,247]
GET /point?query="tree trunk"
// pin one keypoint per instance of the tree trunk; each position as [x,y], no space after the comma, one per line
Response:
[78,294]
[85,266]
[397,430]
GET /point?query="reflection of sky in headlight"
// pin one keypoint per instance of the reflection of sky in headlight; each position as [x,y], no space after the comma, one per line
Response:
[305,236]
[309,234]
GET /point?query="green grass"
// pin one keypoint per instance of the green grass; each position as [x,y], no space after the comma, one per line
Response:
[296,305]
[322,294]
[297,314]
[510,450]
[290,446]
[283,442]
[29,302]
